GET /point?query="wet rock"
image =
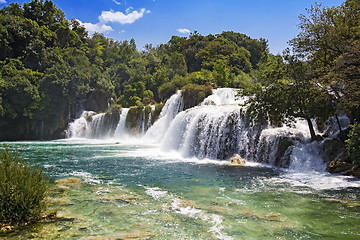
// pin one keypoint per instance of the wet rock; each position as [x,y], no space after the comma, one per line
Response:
[274,217]
[70,181]
[129,236]
[347,202]
[282,159]
[332,149]
[236,160]
[209,102]
[339,166]
[355,171]
[97,102]
[124,197]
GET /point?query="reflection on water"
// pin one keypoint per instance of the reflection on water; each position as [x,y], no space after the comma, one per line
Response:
[104,190]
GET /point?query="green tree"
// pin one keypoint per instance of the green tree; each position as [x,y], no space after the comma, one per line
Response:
[221,73]
[289,95]
[353,143]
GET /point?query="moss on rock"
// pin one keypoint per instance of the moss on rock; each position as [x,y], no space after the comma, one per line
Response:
[194,94]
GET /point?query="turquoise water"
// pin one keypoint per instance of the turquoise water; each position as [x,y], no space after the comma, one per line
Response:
[129,191]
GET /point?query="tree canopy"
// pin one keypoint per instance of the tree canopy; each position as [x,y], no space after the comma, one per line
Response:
[49,63]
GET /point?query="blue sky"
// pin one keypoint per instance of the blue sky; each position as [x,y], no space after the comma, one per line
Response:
[155,21]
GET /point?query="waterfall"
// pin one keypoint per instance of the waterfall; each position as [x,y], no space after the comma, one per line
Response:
[92,125]
[172,107]
[120,128]
[217,128]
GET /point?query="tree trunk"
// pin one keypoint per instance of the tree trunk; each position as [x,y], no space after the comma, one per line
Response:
[338,122]
[311,128]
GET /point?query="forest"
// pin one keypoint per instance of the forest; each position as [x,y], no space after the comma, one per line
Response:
[48,63]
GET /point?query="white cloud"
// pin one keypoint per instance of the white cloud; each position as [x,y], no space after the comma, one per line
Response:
[2,1]
[99,27]
[118,3]
[183,30]
[119,17]
[128,10]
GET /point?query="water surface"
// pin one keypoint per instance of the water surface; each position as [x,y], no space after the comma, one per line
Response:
[130,191]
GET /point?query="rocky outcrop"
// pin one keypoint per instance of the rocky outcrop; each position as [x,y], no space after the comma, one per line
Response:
[140,119]
[97,102]
[332,149]
[339,166]
[194,94]
[236,160]
[282,158]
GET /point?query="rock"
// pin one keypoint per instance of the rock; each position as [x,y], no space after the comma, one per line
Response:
[355,171]
[274,217]
[339,166]
[236,160]
[97,102]
[70,181]
[282,159]
[209,102]
[332,149]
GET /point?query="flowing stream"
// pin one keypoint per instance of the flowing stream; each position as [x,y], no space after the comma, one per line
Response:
[174,181]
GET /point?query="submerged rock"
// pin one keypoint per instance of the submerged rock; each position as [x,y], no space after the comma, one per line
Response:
[69,181]
[236,160]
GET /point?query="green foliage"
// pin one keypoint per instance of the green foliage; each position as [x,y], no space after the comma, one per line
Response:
[133,116]
[156,113]
[48,63]
[22,189]
[329,40]
[289,93]
[169,88]
[194,94]
[222,74]
[353,143]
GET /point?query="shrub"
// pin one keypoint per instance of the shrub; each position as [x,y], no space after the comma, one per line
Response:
[353,143]
[169,88]
[133,117]
[194,94]
[22,189]
[156,113]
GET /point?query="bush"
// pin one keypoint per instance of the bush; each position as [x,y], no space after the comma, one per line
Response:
[194,94]
[353,143]
[169,88]
[22,189]
[156,113]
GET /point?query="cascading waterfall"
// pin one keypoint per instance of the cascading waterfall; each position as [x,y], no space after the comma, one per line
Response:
[172,107]
[216,129]
[121,130]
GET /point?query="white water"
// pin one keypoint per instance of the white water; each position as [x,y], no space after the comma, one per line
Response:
[172,107]
[216,129]
[121,131]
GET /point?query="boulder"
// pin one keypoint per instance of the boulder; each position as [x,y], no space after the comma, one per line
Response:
[236,160]
[355,171]
[339,166]
[282,159]
[332,149]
